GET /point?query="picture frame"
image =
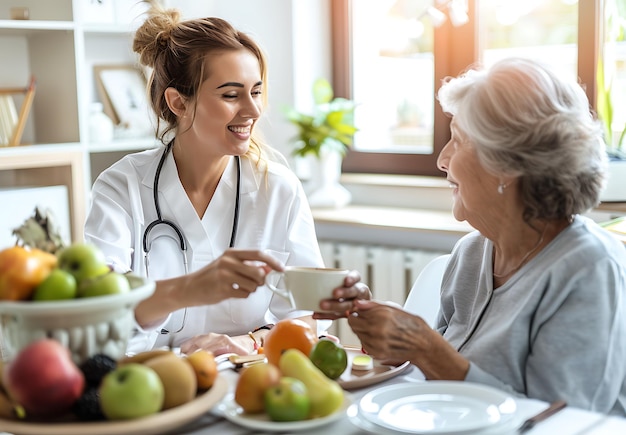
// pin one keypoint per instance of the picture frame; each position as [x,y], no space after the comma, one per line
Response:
[122,89]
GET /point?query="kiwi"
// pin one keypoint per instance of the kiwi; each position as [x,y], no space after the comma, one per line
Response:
[179,379]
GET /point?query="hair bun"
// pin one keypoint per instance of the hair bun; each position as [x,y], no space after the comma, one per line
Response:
[154,34]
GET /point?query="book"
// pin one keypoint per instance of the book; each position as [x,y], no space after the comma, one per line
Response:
[8,119]
[12,124]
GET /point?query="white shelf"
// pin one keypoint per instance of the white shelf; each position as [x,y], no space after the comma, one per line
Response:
[129,145]
[107,29]
[29,26]
[60,50]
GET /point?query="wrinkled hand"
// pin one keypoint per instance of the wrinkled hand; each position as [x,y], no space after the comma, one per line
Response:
[218,344]
[387,332]
[235,274]
[390,334]
[343,297]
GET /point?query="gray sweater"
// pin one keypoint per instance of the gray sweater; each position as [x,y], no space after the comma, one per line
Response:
[555,330]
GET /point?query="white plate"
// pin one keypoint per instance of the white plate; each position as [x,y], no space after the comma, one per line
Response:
[437,407]
[261,422]
[155,424]
[364,425]
[353,416]
[352,379]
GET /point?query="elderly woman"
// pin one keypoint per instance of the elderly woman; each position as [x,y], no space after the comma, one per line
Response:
[533,301]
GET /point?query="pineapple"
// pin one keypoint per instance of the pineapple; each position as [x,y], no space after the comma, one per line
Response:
[40,231]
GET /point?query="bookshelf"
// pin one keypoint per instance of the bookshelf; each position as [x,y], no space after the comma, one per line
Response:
[63,40]
[58,46]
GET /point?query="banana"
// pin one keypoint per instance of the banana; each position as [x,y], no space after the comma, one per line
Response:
[142,357]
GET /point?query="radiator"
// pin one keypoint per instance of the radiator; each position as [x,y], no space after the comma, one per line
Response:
[388,271]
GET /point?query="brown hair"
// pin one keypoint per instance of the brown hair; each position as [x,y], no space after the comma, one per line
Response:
[176,50]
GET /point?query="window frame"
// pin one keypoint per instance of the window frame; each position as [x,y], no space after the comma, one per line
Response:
[447,39]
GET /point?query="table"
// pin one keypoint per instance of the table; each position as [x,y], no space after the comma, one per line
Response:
[570,421]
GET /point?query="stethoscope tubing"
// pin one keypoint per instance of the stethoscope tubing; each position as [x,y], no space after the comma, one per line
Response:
[179,232]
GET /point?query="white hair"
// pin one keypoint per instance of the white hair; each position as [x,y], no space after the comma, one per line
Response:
[525,120]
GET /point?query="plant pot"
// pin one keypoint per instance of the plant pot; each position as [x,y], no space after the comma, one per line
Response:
[326,191]
[615,190]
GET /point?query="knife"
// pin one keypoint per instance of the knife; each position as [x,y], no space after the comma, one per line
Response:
[549,411]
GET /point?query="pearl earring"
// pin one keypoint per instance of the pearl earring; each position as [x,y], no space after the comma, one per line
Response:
[501,187]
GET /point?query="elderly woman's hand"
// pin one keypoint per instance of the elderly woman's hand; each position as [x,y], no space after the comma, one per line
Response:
[389,333]
[341,303]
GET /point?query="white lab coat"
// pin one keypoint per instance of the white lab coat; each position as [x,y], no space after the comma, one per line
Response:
[274,216]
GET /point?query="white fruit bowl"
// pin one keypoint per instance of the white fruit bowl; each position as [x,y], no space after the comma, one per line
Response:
[86,326]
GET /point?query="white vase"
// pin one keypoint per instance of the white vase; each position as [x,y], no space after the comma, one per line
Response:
[615,190]
[101,127]
[326,190]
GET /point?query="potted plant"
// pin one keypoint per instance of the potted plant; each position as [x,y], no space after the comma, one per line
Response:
[614,190]
[605,114]
[616,173]
[326,134]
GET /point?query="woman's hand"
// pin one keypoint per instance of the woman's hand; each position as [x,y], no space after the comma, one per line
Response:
[386,331]
[343,297]
[389,333]
[219,344]
[235,274]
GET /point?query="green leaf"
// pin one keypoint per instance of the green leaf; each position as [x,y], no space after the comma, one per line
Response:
[330,126]
[604,105]
[322,91]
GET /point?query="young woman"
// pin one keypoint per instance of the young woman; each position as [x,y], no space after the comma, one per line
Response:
[208,215]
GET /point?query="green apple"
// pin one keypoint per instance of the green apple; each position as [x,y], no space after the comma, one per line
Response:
[110,283]
[330,357]
[83,260]
[132,390]
[60,284]
[288,400]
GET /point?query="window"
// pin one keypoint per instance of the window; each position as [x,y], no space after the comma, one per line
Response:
[611,94]
[391,55]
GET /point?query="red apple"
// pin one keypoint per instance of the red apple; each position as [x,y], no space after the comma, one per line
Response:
[44,379]
[251,386]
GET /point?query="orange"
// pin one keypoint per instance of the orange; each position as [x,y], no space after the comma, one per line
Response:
[22,269]
[205,367]
[288,334]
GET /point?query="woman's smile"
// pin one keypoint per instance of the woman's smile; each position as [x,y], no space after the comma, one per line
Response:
[242,132]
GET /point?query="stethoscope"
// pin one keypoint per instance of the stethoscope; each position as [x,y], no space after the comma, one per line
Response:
[179,233]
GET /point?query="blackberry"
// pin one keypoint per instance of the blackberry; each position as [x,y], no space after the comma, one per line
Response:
[87,407]
[96,367]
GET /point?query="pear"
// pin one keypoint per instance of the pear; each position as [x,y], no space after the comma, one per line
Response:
[326,394]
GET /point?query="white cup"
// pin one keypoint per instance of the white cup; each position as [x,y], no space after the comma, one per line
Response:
[305,287]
